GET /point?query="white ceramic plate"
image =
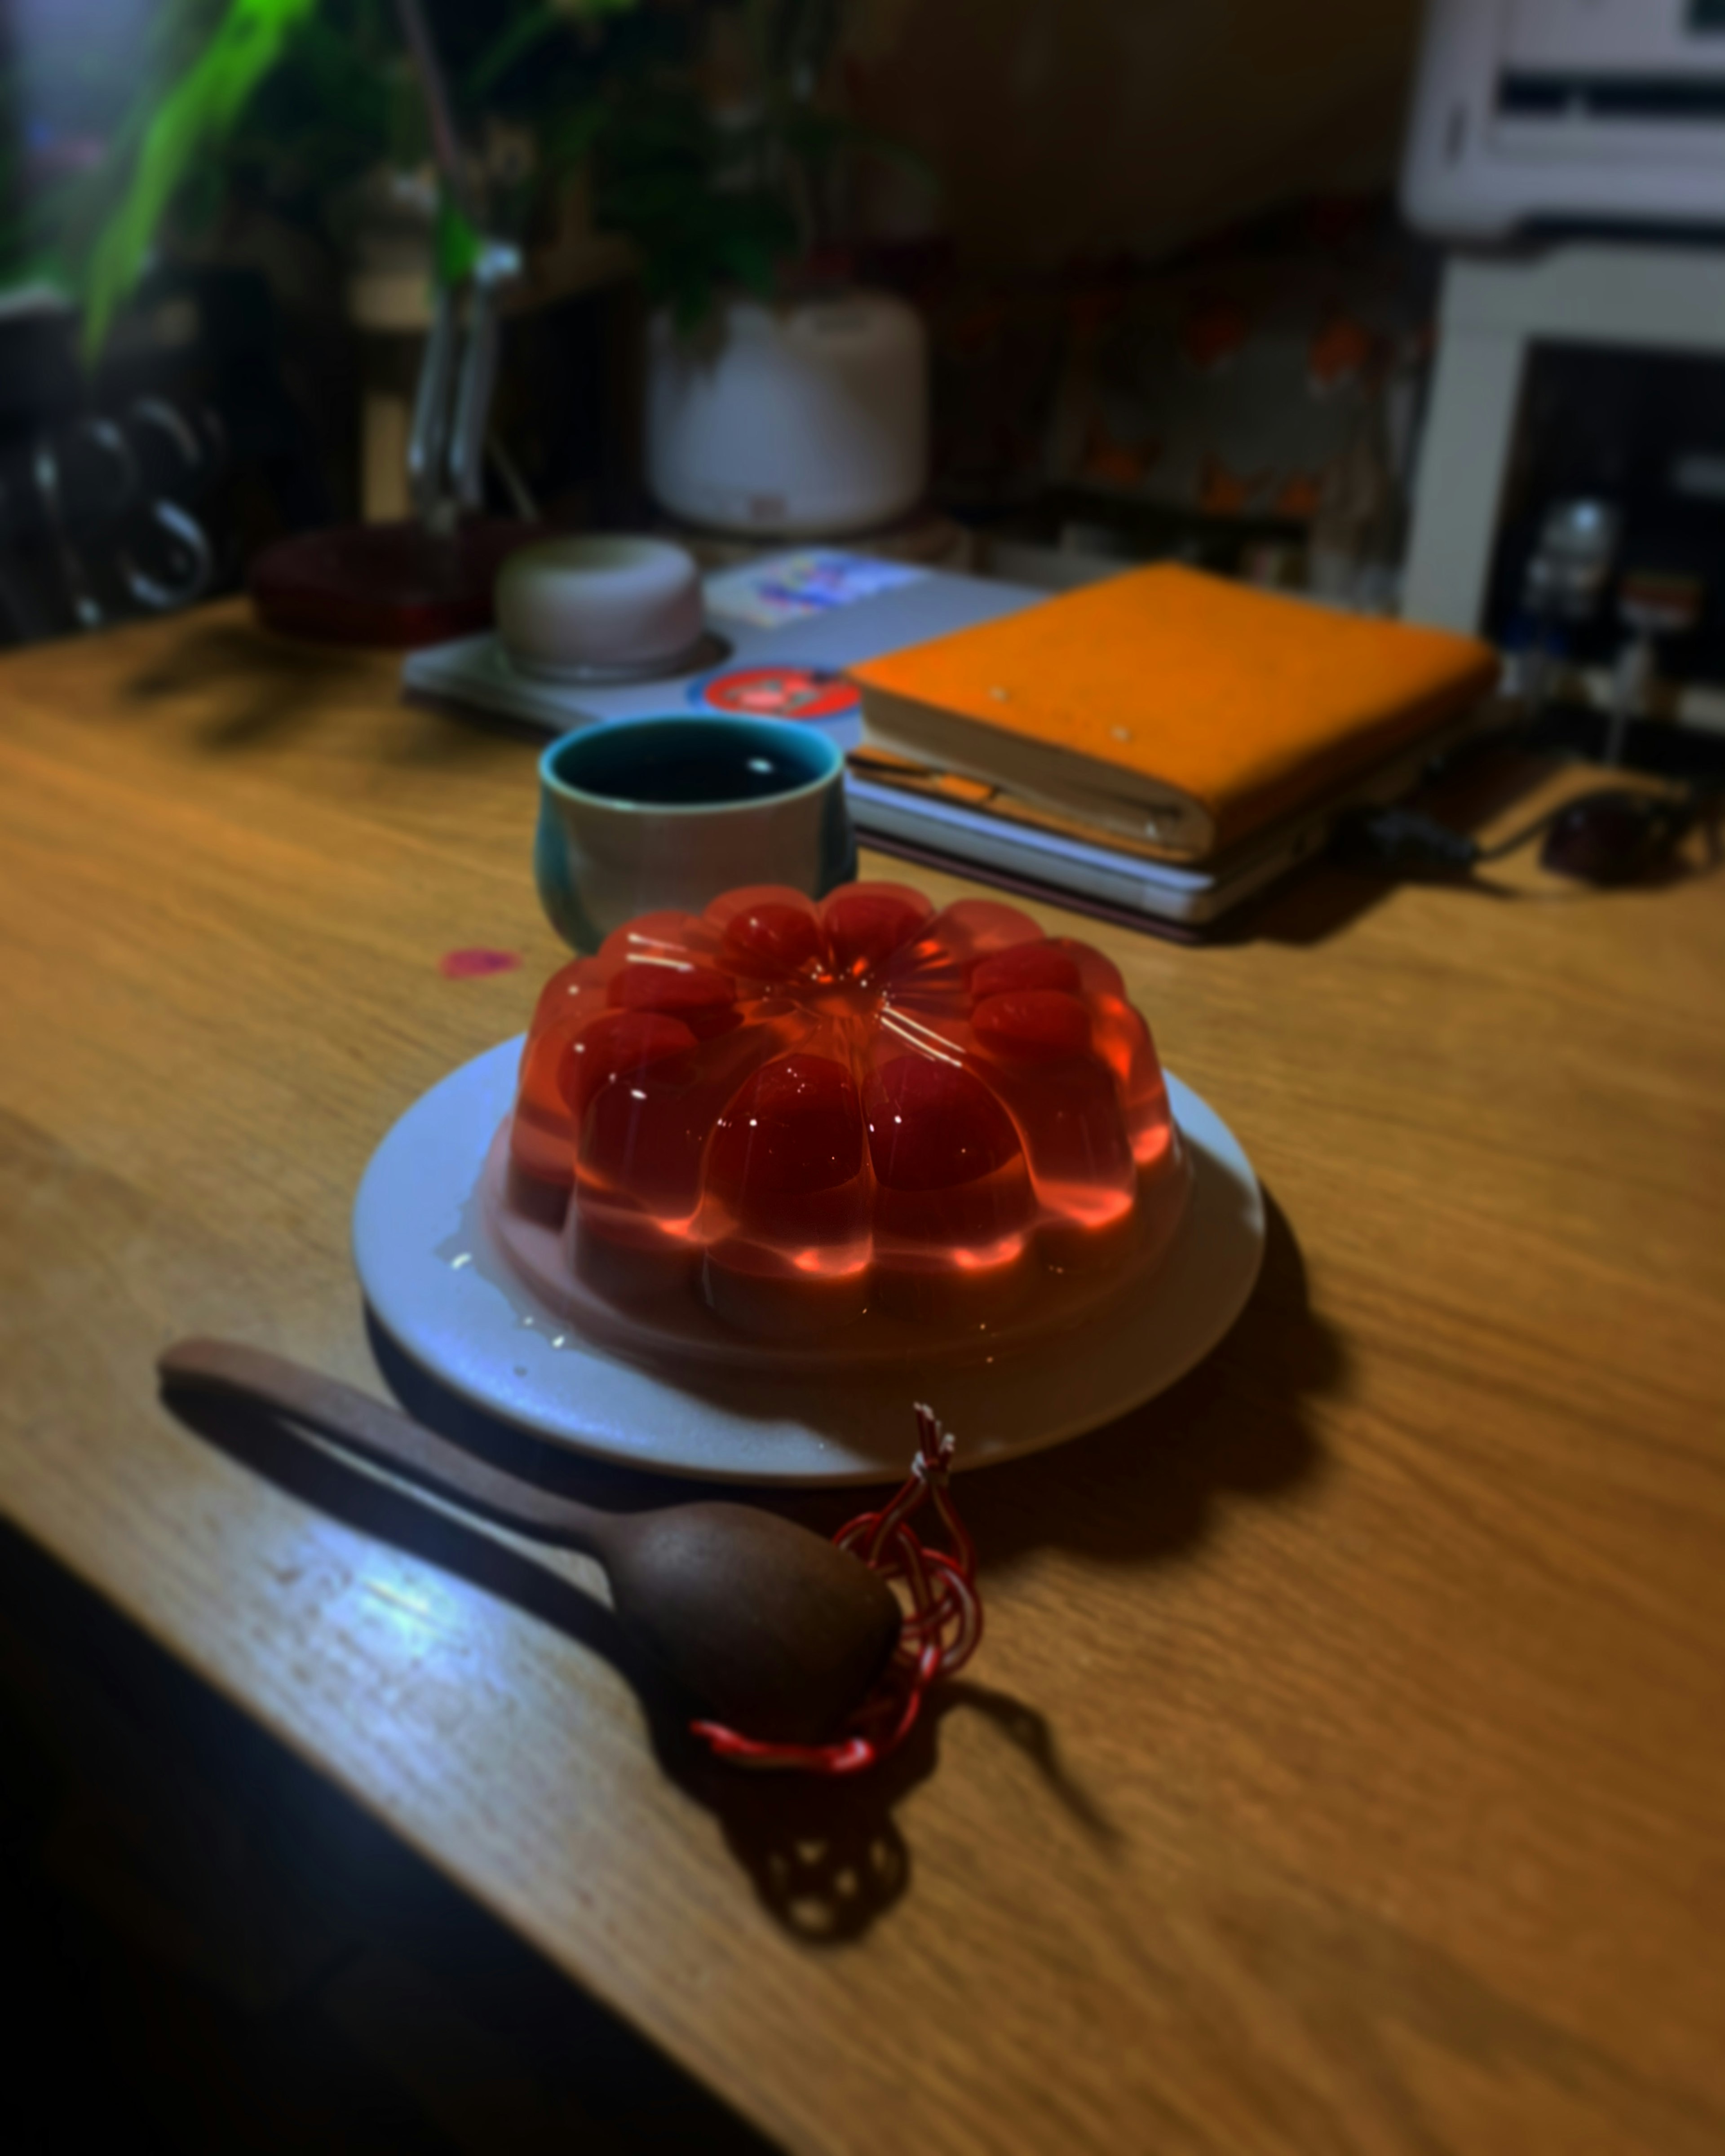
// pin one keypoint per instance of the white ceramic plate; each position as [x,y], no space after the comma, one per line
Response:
[440,1294]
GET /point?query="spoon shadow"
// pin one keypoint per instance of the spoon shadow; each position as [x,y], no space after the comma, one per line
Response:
[825,1856]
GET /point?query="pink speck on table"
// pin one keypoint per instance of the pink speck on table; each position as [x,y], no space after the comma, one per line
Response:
[471,965]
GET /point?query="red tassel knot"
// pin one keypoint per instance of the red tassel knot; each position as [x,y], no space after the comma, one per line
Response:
[943,1625]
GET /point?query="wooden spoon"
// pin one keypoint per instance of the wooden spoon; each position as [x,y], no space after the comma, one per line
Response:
[775,1632]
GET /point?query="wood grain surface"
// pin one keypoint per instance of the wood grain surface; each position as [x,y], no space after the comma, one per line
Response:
[1344,1766]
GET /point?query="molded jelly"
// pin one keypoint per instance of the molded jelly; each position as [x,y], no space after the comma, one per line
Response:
[796,1113]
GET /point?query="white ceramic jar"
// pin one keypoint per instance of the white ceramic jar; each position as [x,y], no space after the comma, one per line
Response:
[598,603]
[805,419]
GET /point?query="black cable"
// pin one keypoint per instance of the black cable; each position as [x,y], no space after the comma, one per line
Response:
[1401,842]
[1539,826]
[1405,842]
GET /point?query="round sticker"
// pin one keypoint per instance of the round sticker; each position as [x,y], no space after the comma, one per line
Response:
[778,692]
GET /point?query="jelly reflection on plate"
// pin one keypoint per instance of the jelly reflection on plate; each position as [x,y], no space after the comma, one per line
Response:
[859,1128]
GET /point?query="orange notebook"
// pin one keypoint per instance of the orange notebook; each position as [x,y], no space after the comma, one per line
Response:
[1173,708]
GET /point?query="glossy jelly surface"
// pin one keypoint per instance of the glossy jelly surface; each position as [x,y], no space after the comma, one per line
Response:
[796,1114]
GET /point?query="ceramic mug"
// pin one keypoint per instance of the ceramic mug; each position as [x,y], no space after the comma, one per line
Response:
[637,815]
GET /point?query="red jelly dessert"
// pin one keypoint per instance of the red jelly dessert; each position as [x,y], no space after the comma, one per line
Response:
[860,1124]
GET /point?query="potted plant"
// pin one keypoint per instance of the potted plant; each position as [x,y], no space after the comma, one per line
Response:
[782,399]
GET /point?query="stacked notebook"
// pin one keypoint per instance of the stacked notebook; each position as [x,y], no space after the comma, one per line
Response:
[1166,719]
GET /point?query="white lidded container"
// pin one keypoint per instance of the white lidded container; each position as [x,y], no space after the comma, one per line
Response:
[599,604]
[806,419]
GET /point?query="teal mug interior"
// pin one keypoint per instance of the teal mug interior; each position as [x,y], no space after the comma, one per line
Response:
[691,764]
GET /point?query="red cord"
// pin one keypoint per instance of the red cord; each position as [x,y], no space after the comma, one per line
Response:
[942,1630]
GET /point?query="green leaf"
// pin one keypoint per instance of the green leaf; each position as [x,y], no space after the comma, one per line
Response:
[198,113]
[457,245]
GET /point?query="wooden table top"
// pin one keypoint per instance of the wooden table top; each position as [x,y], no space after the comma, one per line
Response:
[1345,1764]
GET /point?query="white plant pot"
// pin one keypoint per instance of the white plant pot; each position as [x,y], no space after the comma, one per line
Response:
[807,419]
